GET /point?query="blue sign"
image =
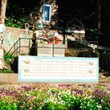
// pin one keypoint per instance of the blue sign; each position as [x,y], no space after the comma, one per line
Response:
[47,12]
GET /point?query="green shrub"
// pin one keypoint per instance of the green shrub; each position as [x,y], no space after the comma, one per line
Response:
[8,58]
[8,103]
[4,70]
[17,23]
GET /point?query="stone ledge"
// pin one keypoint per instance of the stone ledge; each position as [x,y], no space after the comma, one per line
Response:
[12,78]
[9,77]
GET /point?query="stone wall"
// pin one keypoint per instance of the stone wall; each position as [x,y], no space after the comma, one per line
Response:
[11,35]
[36,17]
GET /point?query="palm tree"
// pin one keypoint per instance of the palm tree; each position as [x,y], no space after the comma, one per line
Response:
[3,11]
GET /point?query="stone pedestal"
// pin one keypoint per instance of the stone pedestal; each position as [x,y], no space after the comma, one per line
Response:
[51,50]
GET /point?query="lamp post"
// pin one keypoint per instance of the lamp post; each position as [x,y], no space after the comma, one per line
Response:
[2,29]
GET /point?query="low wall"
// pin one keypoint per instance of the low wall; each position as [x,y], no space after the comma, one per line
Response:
[12,78]
[11,35]
[8,78]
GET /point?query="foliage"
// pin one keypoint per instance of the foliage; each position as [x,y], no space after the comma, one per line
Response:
[8,103]
[55,97]
[4,70]
[17,13]
[8,58]
[17,23]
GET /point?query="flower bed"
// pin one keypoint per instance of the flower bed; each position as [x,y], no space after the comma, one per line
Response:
[55,97]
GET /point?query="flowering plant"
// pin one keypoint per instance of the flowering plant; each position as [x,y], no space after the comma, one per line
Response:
[55,97]
[51,38]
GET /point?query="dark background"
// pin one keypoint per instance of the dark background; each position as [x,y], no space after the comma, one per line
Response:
[86,11]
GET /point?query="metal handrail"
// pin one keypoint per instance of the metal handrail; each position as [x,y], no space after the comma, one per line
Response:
[13,46]
[18,43]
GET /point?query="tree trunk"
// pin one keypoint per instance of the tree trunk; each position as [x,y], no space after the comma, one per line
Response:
[99,16]
[3,11]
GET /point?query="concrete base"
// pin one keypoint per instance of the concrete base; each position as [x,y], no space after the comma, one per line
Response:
[8,78]
[51,50]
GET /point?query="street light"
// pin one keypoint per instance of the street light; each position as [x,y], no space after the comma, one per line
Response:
[2,29]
